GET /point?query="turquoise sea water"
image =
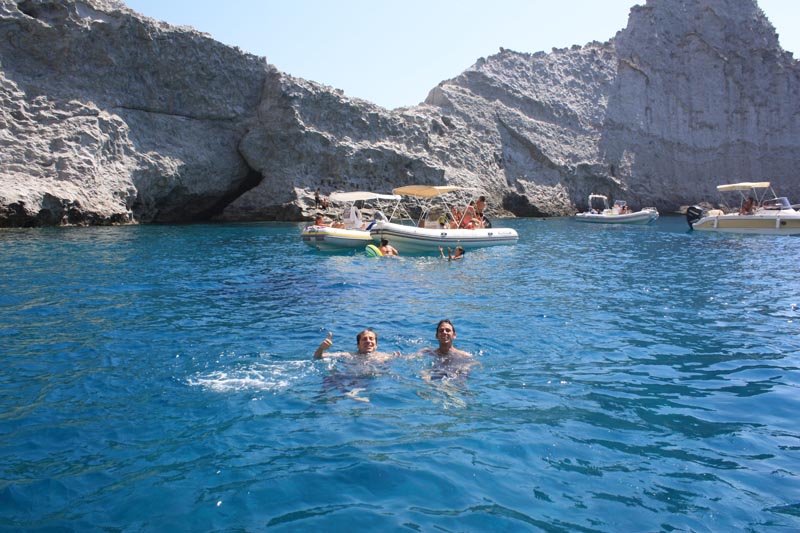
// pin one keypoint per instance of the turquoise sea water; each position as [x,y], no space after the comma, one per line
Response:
[630,379]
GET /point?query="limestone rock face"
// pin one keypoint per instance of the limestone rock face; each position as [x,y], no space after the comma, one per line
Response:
[703,95]
[690,95]
[109,117]
[117,118]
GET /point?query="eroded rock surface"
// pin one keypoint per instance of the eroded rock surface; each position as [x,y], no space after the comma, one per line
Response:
[109,117]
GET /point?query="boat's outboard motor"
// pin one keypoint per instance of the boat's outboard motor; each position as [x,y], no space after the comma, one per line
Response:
[693,214]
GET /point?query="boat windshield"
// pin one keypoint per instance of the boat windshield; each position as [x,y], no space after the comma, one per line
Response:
[598,203]
[777,203]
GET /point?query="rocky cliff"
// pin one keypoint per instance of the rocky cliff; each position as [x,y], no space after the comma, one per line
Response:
[109,117]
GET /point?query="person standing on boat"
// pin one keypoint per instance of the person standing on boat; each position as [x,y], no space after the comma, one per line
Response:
[468,220]
[387,249]
[366,344]
[480,207]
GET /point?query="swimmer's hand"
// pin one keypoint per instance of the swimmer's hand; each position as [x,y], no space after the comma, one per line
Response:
[327,343]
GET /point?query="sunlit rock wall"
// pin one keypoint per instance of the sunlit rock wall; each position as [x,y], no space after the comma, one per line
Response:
[109,117]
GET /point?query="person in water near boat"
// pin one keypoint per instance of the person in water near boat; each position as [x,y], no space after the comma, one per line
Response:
[446,335]
[459,253]
[359,367]
[366,344]
[387,249]
[449,362]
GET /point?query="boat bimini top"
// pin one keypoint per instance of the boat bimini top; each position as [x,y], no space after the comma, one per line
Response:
[362,195]
[759,189]
[743,186]
[428,191]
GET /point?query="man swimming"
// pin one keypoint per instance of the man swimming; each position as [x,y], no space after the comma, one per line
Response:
[366,344]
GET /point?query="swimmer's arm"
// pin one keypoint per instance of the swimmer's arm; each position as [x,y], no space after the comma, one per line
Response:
[324,345]
[419,353]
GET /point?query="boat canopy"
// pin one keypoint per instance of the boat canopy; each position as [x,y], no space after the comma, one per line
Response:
[428,191]
[361,195]
[744,186]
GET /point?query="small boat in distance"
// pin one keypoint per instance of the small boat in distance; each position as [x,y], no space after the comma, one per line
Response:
[443,222]
[618,214]
[352,232]
[762,212]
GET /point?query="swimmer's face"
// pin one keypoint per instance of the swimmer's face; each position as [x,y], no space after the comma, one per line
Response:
[367,342]
[445,332]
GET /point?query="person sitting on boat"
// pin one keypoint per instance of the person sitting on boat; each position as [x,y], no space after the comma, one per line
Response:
[322,221]
[387,249]
[455,217]
[467,221]
[366,344]
[459,253]
[747,206]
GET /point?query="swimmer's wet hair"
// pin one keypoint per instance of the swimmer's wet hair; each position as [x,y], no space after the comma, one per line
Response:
[445,321]
[370,330]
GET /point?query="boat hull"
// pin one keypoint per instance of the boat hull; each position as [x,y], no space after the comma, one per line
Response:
[757,224]
[328,239]
[645,216]
[412,239]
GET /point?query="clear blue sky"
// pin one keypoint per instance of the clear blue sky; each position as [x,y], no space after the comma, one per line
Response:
[392,52]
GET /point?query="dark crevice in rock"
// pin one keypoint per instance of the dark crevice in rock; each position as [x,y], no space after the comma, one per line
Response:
[252,179]
[49,12]
[29,8]
[180,115]
[520,206]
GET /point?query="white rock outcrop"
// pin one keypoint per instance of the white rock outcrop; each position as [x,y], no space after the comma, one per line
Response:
[109,117]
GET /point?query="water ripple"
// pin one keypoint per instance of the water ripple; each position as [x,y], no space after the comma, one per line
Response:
[628,379]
